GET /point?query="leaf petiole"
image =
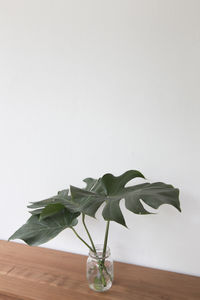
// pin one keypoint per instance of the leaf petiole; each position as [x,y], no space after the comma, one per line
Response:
[80,238]
[90,238]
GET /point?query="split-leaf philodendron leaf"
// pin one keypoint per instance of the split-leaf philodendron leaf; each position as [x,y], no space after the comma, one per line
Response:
[111,190]
[51,216]
[36,232]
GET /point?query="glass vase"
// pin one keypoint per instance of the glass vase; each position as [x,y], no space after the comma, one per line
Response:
[100,269]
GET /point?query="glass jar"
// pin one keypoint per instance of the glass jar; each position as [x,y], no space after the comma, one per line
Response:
[100,269]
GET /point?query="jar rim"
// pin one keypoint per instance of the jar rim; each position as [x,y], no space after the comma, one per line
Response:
[99,252]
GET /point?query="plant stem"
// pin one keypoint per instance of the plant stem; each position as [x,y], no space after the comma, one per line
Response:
[93,249]
[101,263]
[78,236]
[93,246]
[106,240]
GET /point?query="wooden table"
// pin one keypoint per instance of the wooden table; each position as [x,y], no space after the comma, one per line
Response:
[28,273]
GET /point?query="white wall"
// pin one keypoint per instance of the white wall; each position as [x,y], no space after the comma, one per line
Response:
[89,87]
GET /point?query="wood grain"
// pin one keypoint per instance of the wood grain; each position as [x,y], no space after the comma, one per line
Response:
[35,273]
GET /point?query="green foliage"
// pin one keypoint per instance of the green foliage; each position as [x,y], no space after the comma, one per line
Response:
[50,210]
[111,190]
[36,232]
[61,198]
[51,216]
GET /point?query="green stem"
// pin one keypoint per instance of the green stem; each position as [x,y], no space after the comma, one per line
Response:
[93,249]
[92,243]
[101,267]
[78,236]
[106,240]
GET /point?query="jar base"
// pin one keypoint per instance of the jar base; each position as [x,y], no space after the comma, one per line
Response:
[99,287]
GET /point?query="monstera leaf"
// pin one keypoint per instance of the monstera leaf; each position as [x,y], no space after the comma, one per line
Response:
[111,190]
[51,216]
[62,198]
[50,210]
[36,231]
